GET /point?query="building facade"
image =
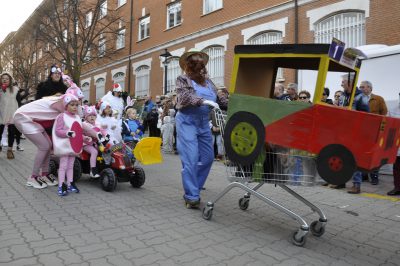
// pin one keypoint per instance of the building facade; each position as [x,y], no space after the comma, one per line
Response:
[216,26]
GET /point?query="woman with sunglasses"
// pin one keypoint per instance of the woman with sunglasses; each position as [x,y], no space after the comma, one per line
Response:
[54,85]
[304,96]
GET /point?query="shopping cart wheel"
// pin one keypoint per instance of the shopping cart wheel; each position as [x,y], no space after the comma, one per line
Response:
[207,213]
[244,203]
[244,137]
[298,241]
[336,164]
[317,229]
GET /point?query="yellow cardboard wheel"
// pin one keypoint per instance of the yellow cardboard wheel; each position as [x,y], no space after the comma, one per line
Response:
[243,138]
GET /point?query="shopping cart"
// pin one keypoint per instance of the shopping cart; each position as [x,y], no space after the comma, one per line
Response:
[277,165]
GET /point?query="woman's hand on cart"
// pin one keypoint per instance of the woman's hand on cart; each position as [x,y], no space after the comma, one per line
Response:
[211,104]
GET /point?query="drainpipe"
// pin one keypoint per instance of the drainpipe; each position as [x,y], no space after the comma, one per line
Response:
[296,33]
[130,48]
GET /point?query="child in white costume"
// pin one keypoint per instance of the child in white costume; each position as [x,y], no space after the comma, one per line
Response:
[107,122]
[167,131]
[67,142]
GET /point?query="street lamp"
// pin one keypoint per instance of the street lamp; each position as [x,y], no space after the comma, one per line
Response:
[166,54]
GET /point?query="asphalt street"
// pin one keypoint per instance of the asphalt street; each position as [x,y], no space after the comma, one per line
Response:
[151,226]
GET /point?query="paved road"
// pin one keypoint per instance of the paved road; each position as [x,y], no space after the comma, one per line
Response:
[151,226]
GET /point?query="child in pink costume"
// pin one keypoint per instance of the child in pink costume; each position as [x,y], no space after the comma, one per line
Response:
[34,120]
[67,142]
[89,145]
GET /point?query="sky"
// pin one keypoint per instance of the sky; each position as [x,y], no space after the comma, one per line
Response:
[14,13]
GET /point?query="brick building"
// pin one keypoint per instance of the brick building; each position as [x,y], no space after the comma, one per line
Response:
[216,26]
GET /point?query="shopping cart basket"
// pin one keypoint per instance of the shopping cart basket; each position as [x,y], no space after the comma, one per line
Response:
[277,165]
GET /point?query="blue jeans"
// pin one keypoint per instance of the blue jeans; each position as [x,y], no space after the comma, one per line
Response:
[195,147]
[357,178]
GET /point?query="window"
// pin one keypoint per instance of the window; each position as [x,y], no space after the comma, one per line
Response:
[120,78]
[216,64]
[173,72]
[120,39]
[100,88]
[348,27]
[86,90]
[65,35]
[211,5]
[46,72]
[174,14]
[39,76]
[34,57]
[87,56]
[269,37]
[66,4]
[55,42]
[88,19]
[142,81]
[40,54]
[121,2]
[76,27]
[102,46]
[103,10]
[144,28]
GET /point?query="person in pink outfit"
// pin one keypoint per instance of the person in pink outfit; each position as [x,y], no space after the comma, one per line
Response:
[89,145]
[67,142]
[35,120]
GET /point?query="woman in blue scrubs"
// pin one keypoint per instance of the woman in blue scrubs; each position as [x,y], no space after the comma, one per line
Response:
[196,96]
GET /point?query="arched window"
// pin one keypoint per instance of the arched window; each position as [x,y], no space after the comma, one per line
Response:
[348,27]
[174,70]
[86,90]
[216,64]
[142,81]
[120,78]
[268,37]
[100,88]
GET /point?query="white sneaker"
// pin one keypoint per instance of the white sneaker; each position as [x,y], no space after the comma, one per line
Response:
[50,180]
[36,183]
[19,148]
[94,176]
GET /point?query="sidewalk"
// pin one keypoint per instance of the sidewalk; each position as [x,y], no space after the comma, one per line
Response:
[151,226]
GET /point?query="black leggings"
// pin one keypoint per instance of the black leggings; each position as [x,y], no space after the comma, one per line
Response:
[11,134]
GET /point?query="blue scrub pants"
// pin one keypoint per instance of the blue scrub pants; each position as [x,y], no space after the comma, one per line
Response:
[195,147]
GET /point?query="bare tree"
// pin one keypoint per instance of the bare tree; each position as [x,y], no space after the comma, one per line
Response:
[21,56]
[75,32]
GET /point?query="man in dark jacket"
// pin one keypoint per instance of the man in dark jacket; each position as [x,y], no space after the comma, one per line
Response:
[152,120]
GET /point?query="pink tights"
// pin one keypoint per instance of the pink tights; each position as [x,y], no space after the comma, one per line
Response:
[93,154]
[42,158]
[66,166]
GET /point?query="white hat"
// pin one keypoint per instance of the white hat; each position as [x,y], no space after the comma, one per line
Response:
[103,106]
[117,87]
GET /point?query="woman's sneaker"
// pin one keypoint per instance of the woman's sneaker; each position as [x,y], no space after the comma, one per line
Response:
[61,192]
[35,182]
[19,148]
[49,179]
[72,188]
